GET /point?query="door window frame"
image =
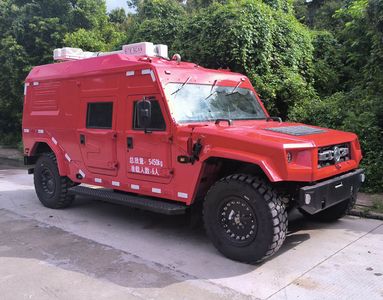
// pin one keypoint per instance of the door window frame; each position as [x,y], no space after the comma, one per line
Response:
[94,100]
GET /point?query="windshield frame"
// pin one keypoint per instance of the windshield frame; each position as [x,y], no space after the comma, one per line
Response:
[213,87]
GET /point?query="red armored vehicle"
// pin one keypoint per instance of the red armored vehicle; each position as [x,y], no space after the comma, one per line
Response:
[136,128]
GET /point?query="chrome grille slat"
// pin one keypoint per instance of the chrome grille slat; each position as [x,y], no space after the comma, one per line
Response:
[330,155]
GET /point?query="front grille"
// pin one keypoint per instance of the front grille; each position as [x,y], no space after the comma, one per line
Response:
[331,155]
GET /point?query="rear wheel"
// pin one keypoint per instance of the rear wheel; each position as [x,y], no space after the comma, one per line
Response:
[51,188]
[245,218]
[332,213]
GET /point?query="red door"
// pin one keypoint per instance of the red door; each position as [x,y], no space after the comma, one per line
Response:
[97,140]
[148,155]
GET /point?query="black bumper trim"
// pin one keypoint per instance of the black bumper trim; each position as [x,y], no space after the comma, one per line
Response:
[317,197]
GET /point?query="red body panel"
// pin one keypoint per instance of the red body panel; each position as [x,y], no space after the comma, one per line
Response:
[55,110]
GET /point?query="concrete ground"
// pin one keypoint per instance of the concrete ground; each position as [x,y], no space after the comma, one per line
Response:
[96,250]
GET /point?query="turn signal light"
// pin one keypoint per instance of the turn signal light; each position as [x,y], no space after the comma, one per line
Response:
[183,159]
[307,199]
[289,157]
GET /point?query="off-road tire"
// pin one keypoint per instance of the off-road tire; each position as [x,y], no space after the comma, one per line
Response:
[51,188]
[265,209]
[332,213]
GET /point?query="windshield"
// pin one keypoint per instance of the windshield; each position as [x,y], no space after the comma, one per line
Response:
[200,102]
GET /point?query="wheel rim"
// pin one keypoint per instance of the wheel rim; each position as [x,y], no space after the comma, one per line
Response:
[238,221]
[47,181]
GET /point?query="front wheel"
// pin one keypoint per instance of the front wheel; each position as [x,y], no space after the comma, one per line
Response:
[51,188]
[245,219]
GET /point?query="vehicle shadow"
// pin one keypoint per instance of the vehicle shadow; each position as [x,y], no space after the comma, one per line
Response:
[121,244]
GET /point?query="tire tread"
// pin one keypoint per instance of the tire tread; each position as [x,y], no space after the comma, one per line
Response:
[276,206]
[63,199]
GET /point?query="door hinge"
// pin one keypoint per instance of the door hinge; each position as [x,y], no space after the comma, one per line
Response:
[129,142]
[82,139]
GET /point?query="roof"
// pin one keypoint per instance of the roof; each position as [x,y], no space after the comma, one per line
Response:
[168,70]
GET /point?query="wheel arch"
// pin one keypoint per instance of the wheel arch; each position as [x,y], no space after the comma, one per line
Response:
[263,162]
[46,146]
[216,167]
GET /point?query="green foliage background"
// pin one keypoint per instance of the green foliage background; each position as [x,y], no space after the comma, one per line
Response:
[319,62]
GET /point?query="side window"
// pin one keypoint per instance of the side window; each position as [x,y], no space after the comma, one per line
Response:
[157,122]
[99,115]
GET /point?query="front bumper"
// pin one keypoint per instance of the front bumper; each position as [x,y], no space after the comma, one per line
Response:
[317,197]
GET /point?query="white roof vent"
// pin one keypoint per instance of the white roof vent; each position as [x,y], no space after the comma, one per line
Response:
[71,54]
[161,50]
[137,49]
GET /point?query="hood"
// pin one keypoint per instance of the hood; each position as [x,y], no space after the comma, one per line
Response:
[284,133]
[268,144]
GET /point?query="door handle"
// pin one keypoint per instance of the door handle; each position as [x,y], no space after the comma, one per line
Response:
[129,142]
[82,139]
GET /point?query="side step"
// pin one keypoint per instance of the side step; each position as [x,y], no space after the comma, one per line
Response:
[146,203]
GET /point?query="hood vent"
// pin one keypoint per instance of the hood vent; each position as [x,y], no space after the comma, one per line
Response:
[298,130]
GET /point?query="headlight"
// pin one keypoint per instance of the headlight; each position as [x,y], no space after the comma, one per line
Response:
[299,157]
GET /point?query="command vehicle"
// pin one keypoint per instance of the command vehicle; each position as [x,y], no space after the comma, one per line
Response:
[137,128]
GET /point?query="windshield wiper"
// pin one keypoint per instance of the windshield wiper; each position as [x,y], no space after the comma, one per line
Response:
[180,88]
[211,90]
[237,86]
[232,93]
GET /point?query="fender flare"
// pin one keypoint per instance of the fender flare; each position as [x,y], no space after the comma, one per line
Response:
[59,153]
[262,162]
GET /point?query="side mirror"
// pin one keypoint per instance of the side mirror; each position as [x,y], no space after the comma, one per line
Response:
[144,113]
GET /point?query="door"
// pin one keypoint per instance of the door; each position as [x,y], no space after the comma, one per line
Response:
[148,155]
[97,140]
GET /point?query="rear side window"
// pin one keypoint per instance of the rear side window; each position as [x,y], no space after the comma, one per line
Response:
[157,122]
[99,115]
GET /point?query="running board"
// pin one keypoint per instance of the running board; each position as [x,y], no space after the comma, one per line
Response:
[145,203]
